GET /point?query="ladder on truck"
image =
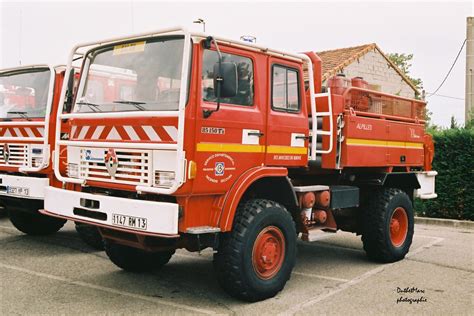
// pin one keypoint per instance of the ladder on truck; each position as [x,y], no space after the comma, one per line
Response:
[316,128]
[317,131]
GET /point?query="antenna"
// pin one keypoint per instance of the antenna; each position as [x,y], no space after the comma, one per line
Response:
[201,21]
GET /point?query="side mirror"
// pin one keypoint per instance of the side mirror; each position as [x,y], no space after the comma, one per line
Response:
[228,80]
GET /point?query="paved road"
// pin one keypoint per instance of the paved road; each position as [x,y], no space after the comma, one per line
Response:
[61,275]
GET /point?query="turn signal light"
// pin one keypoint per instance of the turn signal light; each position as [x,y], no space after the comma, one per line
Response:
[192,170]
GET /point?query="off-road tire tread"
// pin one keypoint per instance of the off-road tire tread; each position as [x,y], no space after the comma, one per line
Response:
[374,236]
[227,261]
[90,235]
[136,260]
[35,224]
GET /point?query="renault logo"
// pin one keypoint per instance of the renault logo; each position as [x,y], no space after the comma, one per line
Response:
[111,162]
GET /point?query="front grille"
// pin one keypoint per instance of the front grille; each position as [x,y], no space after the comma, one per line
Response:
[134,168]
[18,155]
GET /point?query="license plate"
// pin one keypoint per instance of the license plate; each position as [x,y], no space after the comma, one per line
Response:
[129,221]
[18,191]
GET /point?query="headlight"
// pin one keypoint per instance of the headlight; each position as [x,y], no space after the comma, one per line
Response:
[164,178]
[37,161]
[36,155]
[73,170]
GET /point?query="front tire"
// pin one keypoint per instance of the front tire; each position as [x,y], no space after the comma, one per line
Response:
[255,260]
[90,235]
[35,224]
[134,259]
[389,225]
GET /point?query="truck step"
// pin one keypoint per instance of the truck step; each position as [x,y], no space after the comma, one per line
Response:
[203,230]
[311,188]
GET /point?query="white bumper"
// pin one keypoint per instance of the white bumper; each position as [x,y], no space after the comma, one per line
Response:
[142,217]
[427,183]
[23,187]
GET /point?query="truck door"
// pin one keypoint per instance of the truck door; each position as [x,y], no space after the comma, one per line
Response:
[287,119]
[231,140]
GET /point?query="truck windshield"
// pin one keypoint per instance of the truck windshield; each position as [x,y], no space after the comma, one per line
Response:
[136,76]
[24,93]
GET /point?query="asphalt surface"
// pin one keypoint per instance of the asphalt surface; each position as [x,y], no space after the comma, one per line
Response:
[59,274]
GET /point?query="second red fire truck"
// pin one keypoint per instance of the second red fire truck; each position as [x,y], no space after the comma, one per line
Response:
[29,99]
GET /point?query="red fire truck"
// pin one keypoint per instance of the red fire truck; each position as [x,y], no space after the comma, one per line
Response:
[29,98]
[226,144]
[26,95]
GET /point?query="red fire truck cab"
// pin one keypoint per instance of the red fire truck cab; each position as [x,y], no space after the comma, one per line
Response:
[226,144]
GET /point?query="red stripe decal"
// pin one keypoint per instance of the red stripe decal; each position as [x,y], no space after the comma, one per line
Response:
[23,132]
[123,134]
[105,132]
[165,137]
[90,132]
[141,133]
[36,132]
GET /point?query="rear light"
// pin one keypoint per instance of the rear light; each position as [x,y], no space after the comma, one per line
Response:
[164,178]
[73,170]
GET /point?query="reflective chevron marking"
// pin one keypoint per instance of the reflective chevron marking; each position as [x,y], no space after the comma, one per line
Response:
[21,131]
[166,133]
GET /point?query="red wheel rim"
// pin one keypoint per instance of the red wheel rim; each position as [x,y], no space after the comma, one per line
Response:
[398,226]
[268,252]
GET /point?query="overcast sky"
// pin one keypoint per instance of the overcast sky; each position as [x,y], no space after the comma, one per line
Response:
[44,32]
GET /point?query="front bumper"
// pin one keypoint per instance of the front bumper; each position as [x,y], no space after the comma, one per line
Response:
[23,187]
[129,215]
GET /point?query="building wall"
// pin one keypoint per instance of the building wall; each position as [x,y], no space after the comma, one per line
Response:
[375,69]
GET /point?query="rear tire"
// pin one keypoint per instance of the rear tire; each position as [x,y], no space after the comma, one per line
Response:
[90,235]
[134,259]
[254,261]
[35,224]
[388,225]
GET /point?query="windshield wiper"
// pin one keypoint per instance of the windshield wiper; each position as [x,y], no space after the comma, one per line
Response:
[136,104]
[23,114]
[94,107]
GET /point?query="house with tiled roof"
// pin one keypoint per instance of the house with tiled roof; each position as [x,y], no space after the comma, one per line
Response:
[370,63]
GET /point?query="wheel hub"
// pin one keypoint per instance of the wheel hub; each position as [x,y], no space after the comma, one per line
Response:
[398,226]
[268,252]
[394,226]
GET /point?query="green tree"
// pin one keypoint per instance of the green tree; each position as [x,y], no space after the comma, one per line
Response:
[403,62]
[454,123]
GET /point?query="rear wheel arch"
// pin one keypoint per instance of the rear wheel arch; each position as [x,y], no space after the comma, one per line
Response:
[405,181]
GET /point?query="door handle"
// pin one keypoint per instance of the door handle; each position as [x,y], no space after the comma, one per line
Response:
[302,137]
[258,134]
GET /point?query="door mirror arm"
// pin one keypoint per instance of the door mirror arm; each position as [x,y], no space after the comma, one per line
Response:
[206,112]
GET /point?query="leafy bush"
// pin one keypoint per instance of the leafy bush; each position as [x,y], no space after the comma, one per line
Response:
[454,161]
